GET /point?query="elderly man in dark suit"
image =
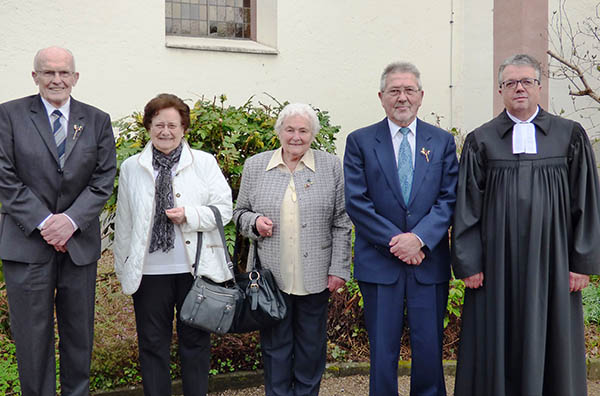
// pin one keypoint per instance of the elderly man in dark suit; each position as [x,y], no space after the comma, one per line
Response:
[401,178]
[57,168]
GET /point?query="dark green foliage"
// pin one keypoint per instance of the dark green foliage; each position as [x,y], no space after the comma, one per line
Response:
[232,134]
[9,377]
[456,296]
[591,302]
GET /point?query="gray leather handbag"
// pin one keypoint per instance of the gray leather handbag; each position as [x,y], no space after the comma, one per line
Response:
[210,306]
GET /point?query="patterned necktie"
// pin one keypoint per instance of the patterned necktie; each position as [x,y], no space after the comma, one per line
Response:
[60,136]
[405,165]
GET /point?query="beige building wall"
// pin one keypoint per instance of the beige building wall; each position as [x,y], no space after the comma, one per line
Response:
[473,92]
[329,53]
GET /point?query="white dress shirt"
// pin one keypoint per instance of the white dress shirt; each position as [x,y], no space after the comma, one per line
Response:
[412,141]
[397,138]
[64,120]
[524,134]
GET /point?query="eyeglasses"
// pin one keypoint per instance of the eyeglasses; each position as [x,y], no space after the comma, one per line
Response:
[49,74]
[525,83]
[408,91]
[161,126]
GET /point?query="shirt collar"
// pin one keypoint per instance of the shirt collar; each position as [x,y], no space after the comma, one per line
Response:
[395,129]
[308,160]
[517,121]
[64,109]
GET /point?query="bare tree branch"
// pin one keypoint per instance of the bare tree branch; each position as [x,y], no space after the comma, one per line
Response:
[588,91]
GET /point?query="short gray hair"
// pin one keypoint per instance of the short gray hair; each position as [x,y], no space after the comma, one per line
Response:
[400,67]
[37,59]
[520,60]
[299,109]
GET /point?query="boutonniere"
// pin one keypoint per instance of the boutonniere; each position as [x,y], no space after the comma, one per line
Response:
[425,153]
[77,128]
[308,183]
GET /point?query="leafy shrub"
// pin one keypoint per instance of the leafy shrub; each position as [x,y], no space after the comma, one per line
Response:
[591,303]
[9,375]
[456,297]
[232,134]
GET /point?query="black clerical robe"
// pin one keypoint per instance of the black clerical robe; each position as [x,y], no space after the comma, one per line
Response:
[525,221]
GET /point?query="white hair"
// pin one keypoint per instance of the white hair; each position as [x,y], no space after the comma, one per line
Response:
[299,109]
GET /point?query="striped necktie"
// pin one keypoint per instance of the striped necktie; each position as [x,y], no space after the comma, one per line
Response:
[60,136]
[405,165]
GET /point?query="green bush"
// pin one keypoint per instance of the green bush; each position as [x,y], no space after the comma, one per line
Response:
[456,297]
[591,303]
[9,376]
[232,134]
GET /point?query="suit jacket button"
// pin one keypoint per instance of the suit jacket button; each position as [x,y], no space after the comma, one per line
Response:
[306,254]
[178,195]
[304,225]
[59,170]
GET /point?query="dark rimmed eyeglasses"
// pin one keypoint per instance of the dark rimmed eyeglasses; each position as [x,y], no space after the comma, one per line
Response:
[525,83]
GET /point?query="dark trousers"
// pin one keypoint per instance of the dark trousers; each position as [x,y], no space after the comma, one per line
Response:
[295,350]
[34,291]
[384,317]
[155,302]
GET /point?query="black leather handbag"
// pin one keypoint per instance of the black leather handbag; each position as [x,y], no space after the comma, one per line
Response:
[263,304]
[210,306]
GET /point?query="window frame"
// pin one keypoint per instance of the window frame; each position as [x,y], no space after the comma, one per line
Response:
[263,34]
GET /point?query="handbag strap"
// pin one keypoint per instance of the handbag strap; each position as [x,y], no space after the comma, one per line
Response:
[238,246]
[219,222]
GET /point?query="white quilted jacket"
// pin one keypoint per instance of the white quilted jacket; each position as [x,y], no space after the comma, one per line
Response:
[198,182]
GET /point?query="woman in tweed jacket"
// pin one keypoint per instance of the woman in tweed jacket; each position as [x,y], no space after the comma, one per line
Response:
[291,203]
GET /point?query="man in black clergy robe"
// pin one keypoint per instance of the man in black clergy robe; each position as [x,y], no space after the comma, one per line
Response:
[526,235]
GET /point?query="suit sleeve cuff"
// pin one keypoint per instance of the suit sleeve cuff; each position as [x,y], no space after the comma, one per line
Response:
[75,226]
[41,225]
[420,240]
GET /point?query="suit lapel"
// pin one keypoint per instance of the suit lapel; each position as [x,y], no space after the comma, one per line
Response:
[422,145]
[42,125]
[75,128]
[384,151]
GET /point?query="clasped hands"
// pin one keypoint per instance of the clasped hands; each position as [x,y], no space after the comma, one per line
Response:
[577,282]
[407,247]
[57,230]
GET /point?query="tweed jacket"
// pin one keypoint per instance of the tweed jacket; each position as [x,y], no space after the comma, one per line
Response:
[197,183]
[325,227]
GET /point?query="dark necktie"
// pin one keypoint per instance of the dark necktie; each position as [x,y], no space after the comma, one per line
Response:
[405,165]
[60,136]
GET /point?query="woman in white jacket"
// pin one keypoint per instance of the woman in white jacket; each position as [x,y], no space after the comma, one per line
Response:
[162,203]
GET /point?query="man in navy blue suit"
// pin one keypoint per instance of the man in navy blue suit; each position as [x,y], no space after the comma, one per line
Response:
[401,176]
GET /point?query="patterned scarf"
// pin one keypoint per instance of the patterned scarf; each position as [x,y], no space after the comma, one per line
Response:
[163,230]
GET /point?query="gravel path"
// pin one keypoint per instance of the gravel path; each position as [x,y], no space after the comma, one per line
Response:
[358,385]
